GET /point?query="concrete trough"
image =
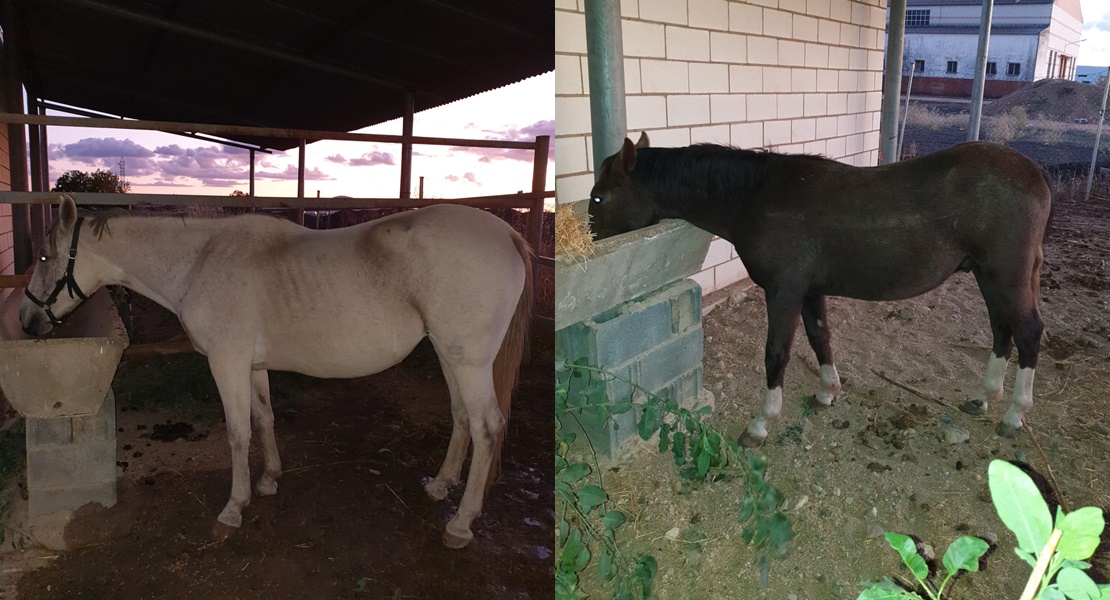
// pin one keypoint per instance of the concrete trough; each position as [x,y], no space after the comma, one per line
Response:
[69,373]
[625,267]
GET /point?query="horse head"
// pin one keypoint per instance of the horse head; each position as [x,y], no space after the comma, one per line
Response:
[55,288]
[619,203]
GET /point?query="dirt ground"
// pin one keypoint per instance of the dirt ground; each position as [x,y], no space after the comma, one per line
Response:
[878,459]
[350,519]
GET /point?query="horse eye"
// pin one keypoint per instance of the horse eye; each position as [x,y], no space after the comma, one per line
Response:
[42,258]
[597,199]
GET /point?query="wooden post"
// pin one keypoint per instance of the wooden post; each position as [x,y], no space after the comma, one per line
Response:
[300,181]
[535,220]
[34,139]
[406,148]
[17,136]
[252,175]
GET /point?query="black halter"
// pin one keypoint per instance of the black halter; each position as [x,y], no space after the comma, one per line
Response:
[67,281]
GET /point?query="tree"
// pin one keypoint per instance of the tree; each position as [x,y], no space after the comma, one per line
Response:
[100,181]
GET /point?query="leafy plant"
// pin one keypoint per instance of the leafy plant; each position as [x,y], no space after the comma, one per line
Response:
[1055,549]
[586,530]
[962,555]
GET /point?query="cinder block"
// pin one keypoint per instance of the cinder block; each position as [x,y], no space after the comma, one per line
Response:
[708,78]
[834,148]
[826,127]
[776,133]
[664,76]
[71,464]
[792,54]
[646,112]
[45,501]
[49,432]
[803,80]
[762,107]
[631,75]
[805,28]
[712,134]
[827,80]
[727,47]
[838,57]
[570,32]
[745,18]
[574,187]
[101,426]
[687,110]
[643,39]
[777,23]
[840,10]
[568,74]
[816,105]
[687,44]
[828,32]
[744,79]
[709,14]
[572,115]
[849,35]
[857,59]
[669,11]
[838,104]
[803,130]
[861,14]
[776,79]
[763,51]
[818,8]
[728,108]
[815,147]
[625,336]
[817,55]
[670,360]
[686,309]
[570,154]
[790,106]
[744,135]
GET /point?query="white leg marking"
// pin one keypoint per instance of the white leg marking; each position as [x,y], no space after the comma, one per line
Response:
[772,406]
[1023,398]
[830,385]
[991,391]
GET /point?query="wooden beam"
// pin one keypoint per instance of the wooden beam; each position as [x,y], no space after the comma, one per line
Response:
[14,281]
[245,130]
[91,199]
[406,147]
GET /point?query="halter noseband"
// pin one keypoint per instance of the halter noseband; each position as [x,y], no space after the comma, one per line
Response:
[67,281]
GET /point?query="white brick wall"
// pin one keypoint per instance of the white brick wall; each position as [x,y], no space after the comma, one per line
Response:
[788,75]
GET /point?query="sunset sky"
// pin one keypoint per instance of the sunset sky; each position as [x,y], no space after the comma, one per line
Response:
[170,164]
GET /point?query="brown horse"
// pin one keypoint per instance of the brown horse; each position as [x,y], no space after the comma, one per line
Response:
[807,227]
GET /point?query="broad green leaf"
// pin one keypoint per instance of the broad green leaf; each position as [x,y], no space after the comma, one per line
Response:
[575,471]
[1082,529]
[678,447]
[583,558]
[1027,557]
[649,422]
[1105,589]
[1019,505]
[703,463]
[570,554]
[614,519]
[1050,593]
[644,574]
[1077,585]
[564,491]
[664,437]
[590,497]
[885,590]
[964,553]
[906,547]
[605,566]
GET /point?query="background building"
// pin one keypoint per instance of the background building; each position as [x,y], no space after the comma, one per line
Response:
[1030,40]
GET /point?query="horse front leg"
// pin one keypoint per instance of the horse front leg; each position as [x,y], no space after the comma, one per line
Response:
[782,322]
[814,316]
[262,414]
[233,379]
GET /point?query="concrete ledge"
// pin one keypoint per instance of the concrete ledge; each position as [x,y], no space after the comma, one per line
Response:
[52,500]
[625,267]
[70,466]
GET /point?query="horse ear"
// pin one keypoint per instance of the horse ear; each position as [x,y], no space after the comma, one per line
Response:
[67,211]
[628,156]
[643,142]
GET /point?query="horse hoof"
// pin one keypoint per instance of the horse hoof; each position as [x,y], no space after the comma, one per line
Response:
[1007,431]
[221,532]
[265,486]
[436,489]
[973,408]
[819,406]
[455,541]
[748,440]
[230,519]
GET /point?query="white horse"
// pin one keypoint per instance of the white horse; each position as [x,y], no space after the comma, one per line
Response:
[256,293]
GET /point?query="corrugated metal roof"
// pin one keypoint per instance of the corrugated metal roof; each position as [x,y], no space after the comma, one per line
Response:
[325,64]
[973,2]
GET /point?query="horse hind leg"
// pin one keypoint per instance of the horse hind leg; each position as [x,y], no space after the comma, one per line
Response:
[991,388]
[262,414]
[782,322]
[817,330]
[451,469]
[486,424]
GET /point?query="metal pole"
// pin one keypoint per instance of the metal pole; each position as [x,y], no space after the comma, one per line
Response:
[300,181]
[1098,137]
[906,114]
[421,187]
[252,174]
[605,55]
[406,148]
[980,81]
[892,83]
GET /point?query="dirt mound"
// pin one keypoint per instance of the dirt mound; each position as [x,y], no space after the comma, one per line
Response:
[1053,100]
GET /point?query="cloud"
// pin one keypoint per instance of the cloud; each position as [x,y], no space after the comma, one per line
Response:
[372,158]
[336,158]
[211,165]
[471,177]
[1102,24]
[290,172]
[511,134]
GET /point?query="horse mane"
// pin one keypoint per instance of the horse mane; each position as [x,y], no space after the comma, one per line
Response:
[710,168]
[99,219]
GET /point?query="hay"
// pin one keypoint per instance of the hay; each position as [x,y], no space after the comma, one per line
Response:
[572,233]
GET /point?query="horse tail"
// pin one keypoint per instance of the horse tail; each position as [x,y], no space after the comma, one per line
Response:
[1049,181]
[506,366]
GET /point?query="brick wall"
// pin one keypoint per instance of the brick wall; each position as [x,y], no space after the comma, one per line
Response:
[7,254]
[789,75]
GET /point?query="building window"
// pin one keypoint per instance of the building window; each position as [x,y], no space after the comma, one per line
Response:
[918,66]
[951,66]
[917,17]
[992,69]
[1013,69]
